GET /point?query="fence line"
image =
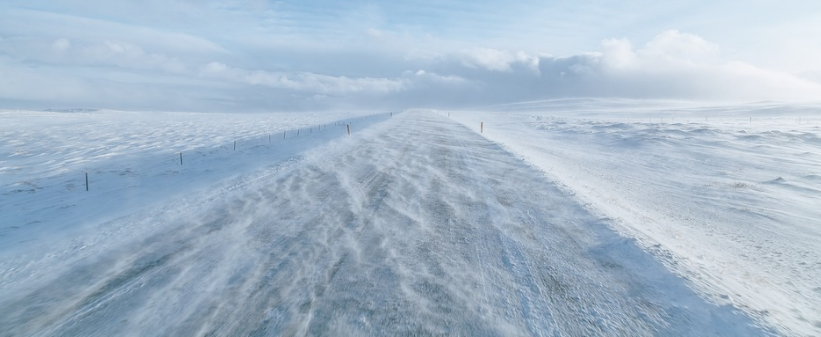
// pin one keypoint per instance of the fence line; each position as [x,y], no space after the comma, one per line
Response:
[255,140]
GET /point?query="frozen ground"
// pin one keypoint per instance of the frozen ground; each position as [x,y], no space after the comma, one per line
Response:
[415,225]
[728,197]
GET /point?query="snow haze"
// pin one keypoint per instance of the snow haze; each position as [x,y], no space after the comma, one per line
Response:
[298,55]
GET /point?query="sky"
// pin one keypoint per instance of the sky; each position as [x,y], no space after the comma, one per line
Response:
[260,55]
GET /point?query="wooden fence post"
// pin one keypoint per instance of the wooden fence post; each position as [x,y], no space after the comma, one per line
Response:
[349,129]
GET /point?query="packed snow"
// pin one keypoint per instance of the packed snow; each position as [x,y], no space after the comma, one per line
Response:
[566,218]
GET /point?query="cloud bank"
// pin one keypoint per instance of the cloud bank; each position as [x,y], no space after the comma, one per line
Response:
[104,64]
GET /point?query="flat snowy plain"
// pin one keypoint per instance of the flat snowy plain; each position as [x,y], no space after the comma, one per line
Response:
[579,217]
[728,197]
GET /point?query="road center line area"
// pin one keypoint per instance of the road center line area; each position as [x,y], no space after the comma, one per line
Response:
[415,226]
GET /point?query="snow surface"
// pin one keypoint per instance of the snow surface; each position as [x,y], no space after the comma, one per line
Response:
[133,160]
[414,225]
[728,197]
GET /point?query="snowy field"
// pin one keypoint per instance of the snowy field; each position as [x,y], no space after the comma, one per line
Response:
[561,218]
[728,197]
[133,160]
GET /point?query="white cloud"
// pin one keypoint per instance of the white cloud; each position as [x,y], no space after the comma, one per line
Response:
[682,46]
[302,81]
[431,76]
[617,54]
[61,45]
[100,71]
[42,25]
[127,55]
[669,49]
[375,33]
[679,65]
[109,53]
[497,60]
[672,65]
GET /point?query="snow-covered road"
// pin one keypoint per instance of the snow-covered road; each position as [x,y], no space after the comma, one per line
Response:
[416,226]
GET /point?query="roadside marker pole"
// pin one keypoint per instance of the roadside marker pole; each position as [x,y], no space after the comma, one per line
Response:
[349,129]
[180,158]
[482,127]
[86,181]
[235,145]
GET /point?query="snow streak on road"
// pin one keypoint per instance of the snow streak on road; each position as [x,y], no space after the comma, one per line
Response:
[417,226]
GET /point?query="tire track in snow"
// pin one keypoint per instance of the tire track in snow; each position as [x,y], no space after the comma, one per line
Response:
[414,227]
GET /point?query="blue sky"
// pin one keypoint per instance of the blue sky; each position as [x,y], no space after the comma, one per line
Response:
[306,55]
